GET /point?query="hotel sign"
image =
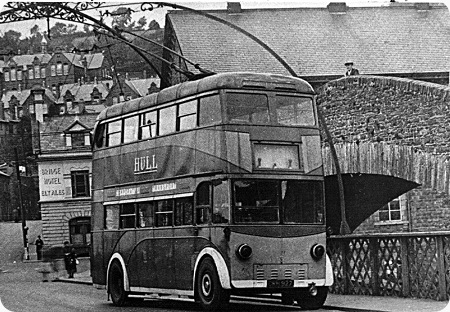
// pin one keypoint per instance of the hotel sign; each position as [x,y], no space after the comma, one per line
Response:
[51,182]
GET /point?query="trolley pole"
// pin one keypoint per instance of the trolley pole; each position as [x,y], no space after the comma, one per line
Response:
[26,255]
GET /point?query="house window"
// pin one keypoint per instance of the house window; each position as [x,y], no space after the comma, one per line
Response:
[53,70]
[19,74]
[80,229]
[37,72]
[78,139]
[43,72]
[66,69]
[394,210]
[59,69]
[6,75]
[13,74]
[30,73]
[80,183]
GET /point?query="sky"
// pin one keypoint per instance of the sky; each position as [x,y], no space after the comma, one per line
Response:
[159,13]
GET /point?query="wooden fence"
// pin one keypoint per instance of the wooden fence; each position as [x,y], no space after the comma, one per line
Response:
[415,265]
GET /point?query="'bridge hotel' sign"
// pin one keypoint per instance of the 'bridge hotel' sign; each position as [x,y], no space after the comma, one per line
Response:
[51,182]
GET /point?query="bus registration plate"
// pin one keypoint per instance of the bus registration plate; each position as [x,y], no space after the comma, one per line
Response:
[280,283]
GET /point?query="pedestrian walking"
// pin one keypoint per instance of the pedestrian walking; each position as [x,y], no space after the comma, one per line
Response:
[39,245]
[70,259]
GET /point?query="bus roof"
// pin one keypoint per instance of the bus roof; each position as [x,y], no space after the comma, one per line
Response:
[235,80]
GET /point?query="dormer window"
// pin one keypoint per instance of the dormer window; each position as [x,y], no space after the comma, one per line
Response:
[78,139]
[37,97]
[77,135]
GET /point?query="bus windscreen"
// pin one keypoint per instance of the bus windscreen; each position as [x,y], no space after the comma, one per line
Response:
[286,202]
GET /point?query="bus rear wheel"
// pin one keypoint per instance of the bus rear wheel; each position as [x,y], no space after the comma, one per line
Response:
[116,286]
[210,293]
[309,302]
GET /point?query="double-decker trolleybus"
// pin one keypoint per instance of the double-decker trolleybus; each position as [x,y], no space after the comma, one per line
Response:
[212,188]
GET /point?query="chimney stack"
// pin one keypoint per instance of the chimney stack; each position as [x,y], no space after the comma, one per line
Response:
[234,7]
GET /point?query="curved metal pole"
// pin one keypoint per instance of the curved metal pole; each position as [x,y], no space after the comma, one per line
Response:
[344,228]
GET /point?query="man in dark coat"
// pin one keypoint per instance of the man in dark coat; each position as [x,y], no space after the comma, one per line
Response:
[350,70]
[70,259]
[39,244]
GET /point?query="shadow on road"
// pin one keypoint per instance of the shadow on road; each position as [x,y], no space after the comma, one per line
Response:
[185,305]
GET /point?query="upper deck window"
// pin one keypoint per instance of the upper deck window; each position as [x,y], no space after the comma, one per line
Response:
[167,120]
[294,111]
[114,133]
[187,115]
[148,125]
[209,112]
[247,108]
[130,133]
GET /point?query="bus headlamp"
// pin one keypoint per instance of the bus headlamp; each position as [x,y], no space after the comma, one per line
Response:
[244,251]
[317,251]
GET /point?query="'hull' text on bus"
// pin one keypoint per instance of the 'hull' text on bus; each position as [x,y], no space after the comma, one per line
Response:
[145,164]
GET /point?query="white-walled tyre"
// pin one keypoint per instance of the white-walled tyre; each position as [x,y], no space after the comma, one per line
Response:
[116,284]
[210,293]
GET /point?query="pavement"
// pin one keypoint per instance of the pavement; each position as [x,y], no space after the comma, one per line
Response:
[338,302]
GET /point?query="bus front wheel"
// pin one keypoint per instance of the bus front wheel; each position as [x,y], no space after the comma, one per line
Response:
[309,302]
[210,293]
[116,285]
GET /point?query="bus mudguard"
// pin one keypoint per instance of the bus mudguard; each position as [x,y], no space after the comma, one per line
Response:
[118,257]
[222,269]
[329,279]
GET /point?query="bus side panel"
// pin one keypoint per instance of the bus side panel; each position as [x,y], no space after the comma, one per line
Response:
[98,270]
[166,262]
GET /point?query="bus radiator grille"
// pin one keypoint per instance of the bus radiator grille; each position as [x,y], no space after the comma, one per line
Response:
[283,271]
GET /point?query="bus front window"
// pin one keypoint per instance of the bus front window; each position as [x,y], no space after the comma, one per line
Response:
[294,111]
[247,108]
[256,202]
[302,202]
[287,202]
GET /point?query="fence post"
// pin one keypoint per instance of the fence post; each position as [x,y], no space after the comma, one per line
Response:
[441,268]
[344,248]
[375,264]
[405,265]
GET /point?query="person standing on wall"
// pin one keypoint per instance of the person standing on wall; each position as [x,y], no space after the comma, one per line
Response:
[350,70]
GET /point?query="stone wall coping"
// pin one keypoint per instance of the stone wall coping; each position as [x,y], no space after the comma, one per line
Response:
[404,84]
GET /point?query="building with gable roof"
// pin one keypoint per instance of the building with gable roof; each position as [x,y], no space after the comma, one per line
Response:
[127,89]
[87,97]
[64,163]
[398,39]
